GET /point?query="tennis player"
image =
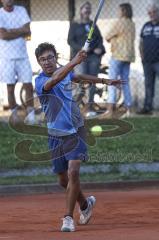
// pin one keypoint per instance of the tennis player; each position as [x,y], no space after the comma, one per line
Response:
[65,127]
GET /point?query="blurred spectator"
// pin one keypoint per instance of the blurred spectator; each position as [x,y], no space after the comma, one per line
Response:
[77,36]
[121,35]
[149,50]
[14,62]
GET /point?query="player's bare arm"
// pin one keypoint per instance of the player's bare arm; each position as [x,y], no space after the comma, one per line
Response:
[10,34]
[92,79]
[62,72]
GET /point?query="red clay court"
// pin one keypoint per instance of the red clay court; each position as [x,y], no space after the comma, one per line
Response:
[118,215]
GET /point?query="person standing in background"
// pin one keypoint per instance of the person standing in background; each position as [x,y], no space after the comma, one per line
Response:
[121,35]
[14,62]
[149,51]
[77,36]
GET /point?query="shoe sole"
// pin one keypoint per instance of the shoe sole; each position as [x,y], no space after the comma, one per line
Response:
[67,230]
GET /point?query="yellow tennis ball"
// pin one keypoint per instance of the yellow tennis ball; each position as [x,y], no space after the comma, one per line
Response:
[96,130]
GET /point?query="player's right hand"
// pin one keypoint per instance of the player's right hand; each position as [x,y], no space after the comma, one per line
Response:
[80,57]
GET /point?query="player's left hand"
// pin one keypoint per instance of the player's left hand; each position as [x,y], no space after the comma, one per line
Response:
[80,57]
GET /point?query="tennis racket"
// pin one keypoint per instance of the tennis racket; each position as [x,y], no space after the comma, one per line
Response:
[89,39]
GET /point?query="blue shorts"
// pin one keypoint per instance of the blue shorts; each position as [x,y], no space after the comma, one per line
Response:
[71,147]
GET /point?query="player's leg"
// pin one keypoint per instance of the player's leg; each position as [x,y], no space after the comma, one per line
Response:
[60,167]
[86,204]
[73,187]
[63,181]
[72,192]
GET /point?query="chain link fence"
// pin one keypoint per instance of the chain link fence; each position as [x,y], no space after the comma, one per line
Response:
[50,22]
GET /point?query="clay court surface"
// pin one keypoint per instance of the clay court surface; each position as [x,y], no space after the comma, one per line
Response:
[118,215]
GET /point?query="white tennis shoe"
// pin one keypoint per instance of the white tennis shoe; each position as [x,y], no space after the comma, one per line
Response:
[68,224]
[87,213]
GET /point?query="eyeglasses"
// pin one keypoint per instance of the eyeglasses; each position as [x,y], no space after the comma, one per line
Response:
[48,59]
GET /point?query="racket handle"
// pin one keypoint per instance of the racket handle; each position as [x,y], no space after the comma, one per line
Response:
[86,46]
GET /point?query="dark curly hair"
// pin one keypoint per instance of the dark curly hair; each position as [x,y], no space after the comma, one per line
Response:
[42,47]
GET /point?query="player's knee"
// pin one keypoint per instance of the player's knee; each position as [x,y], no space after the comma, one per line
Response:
[73,175]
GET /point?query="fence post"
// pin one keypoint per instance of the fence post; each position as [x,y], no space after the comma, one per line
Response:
[71,9]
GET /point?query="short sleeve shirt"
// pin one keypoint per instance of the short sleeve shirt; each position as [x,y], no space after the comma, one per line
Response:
[61,111]
[150,36]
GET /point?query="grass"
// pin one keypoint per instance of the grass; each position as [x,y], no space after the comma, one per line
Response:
[139,145]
